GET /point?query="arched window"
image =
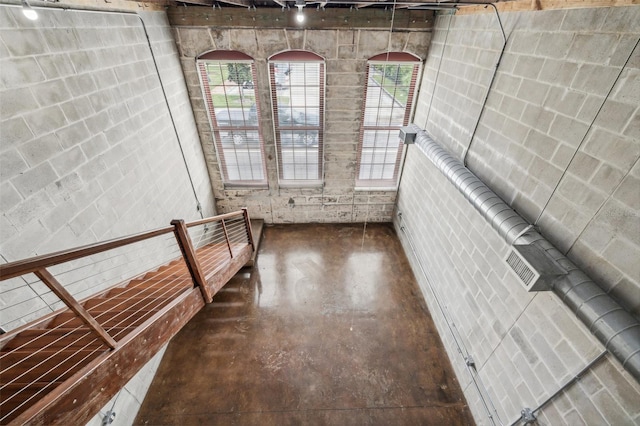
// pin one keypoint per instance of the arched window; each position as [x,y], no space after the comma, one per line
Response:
[297,90]
[390,89]
[228,81]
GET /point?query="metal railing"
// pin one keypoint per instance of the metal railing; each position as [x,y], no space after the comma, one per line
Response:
[122,283]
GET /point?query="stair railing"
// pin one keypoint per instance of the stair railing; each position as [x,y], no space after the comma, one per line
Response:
[234,231]
[202,247]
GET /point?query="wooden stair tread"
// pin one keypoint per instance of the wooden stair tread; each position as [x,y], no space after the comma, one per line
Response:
[36,361]
[56,338]
[147,291]
[20,394]
[57,366]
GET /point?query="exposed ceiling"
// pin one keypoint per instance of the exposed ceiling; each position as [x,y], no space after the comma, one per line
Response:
[357,4]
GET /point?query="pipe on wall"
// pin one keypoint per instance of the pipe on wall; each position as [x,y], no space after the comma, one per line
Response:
[605,318]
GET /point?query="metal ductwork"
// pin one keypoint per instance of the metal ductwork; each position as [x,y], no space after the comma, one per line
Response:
[616,329]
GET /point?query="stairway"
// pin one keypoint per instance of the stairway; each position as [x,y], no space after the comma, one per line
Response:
[38,359]
[58,370]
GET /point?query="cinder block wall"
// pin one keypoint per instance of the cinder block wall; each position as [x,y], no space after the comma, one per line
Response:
[346,53]
[87,148]
[558,140]
[88,151]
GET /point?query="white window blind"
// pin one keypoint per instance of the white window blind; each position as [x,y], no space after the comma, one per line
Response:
[297,88]
[228,85]
[391,82]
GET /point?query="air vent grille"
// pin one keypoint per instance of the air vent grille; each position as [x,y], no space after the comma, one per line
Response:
[531,266]
[521,269]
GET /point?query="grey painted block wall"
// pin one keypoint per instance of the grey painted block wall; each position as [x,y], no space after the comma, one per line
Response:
[346,53]
[558,141]
[559,138]
[87,149]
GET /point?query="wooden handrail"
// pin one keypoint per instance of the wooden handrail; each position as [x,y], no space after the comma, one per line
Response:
[21,267]
[76,307]
[214,218]
[107,314]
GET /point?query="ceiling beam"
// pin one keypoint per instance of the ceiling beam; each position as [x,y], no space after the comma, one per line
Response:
[243,3]
[330,18]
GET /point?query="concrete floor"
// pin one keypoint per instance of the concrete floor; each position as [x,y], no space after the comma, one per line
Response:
[329,329]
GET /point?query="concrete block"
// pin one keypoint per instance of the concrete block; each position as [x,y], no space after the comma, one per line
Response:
[545,171]
[17,72]
[372,43]
[563,155]
[24,244]
[11,164]
[624,256]
[582,20]
[554,45]
[24,42]
[30,209]
[627,389]
[76,109]
[583,166]
[15,102]
[593,47]
[568,130]
[61,190]
[55,66]
[194,42]
[565,101]
[98,122]
[528,67]
[619,152]
[73,134]
[68,161]
[533,91]
[621,19]
[524,42]
[83,84]
[51,92]
[541,144]
[14,132]
[607,179]
[594,79]
[41,149]
[627,192]
[83,221]
[614,115]
[558,72]
[34,179]
[101,100]
[537,117]
[46,120]
[9,197]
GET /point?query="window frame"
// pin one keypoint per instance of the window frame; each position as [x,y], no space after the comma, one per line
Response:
[298,56]
[224,57]
[390,58]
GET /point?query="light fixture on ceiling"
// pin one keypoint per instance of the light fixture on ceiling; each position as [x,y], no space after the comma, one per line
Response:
[28,11]
[300,16]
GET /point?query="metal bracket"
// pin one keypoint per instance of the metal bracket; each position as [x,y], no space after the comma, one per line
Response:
[527,416]
[108,418]
[470,362]
[408,134]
